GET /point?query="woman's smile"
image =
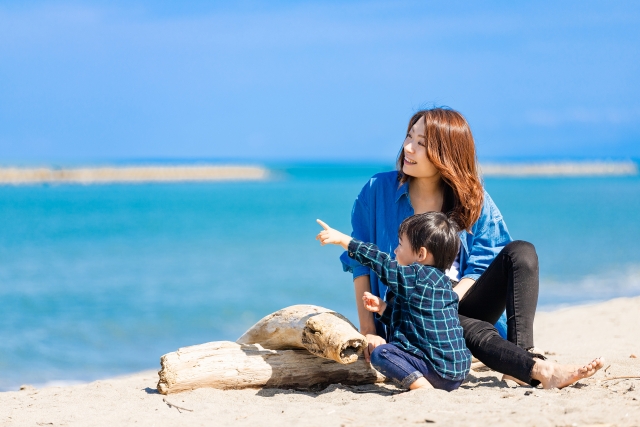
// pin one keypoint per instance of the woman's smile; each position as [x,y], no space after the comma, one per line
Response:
[408,161]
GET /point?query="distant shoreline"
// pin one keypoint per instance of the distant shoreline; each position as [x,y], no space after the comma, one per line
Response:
[201,173]
[131,174]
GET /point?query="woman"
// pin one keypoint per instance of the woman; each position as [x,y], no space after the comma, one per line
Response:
[437,171]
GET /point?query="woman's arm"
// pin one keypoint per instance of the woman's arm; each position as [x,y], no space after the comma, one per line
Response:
[361,226]
[362,284]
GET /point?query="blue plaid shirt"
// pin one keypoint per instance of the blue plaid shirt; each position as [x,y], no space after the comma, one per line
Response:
[424,316]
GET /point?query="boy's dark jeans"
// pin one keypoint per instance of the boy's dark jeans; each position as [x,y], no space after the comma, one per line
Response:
[511,282]
[406,368]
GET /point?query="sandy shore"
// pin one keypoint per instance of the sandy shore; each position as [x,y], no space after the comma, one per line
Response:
[572,335]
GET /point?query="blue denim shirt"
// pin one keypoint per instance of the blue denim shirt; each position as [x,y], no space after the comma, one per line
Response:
[382,205]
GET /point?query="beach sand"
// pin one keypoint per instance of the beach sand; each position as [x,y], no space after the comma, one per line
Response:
[572,335]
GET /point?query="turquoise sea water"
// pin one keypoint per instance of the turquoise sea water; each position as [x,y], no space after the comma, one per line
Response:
[101,280]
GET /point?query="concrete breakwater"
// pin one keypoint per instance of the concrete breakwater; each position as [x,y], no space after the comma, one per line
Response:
[131,174]
[193,173]
[597,168]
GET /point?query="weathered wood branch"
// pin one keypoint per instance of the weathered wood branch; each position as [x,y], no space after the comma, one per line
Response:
[228,365]
[320,331]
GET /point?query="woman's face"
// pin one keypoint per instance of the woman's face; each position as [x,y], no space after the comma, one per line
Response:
[415,162]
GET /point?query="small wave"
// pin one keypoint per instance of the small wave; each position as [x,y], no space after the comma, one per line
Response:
[59,383]
[38,386]
[623,282]
[47,384]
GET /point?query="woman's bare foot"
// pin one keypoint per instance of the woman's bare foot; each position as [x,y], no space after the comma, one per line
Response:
[506,377]
[421,383]
[553,375]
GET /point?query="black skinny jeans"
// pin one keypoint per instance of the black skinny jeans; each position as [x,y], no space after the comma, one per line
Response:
[511,282]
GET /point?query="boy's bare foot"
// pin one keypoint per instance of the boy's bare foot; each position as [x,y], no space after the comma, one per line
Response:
[553,375]
[420,384]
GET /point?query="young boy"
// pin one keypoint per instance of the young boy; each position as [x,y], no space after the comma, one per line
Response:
[426,347]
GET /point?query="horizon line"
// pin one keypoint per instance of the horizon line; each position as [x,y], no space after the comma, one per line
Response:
[106,174]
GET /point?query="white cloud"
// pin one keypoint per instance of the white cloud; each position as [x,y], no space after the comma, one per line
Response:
[583,115]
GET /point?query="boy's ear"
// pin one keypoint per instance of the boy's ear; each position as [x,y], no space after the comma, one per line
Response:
[422,254]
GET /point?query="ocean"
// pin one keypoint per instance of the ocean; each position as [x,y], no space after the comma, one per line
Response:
[101,280]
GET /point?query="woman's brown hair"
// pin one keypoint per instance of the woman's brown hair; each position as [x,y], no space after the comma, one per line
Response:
[450,148]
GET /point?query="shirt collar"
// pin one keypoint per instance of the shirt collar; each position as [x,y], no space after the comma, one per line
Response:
[402,190]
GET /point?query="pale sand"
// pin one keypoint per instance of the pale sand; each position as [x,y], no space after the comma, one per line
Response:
[610,329]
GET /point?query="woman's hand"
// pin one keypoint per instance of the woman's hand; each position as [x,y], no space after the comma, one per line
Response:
[373,303]
[372,342]
[330,235]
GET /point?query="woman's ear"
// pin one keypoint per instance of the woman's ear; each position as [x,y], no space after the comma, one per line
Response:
[422,254]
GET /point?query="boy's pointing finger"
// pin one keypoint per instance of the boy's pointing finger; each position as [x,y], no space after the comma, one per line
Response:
[323,224]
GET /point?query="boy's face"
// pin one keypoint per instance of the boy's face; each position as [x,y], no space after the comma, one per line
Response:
[404,253]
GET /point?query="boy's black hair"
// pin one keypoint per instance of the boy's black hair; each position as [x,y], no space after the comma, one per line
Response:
[434,231]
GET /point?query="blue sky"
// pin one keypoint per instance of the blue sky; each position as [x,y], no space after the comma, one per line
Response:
[322,81]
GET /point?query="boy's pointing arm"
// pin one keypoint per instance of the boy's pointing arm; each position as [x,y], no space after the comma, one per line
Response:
[368,254]
[332,236]
[387,269]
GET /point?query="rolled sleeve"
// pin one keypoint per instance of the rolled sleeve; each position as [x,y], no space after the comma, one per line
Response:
[482,253]
[350,265]
[490,235]
[473,276]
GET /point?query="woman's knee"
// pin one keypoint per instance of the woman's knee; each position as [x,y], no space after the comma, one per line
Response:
[523,253]
[477,333]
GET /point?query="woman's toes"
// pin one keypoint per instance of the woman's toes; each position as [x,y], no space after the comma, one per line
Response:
[596,364]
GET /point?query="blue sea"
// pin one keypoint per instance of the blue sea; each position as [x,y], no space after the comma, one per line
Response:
[101,280]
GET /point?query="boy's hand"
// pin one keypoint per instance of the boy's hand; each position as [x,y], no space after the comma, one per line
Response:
[329,235]
[373,303]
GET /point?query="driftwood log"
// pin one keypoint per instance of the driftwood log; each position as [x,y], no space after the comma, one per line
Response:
[299,347]
[320,331]
[228,365]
